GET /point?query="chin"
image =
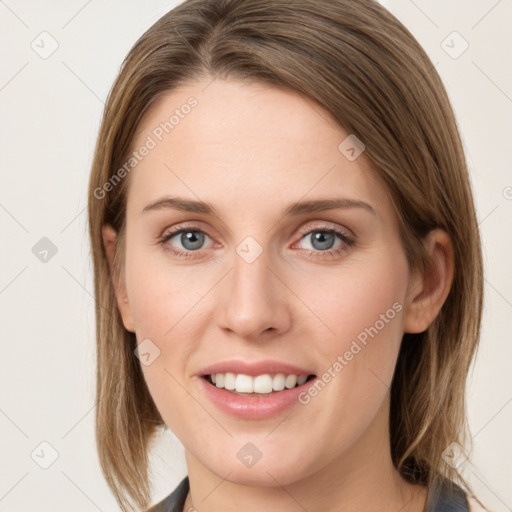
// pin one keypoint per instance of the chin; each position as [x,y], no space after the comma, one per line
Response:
[262,476]
[279,467]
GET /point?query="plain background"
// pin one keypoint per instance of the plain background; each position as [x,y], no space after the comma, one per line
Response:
[50,109]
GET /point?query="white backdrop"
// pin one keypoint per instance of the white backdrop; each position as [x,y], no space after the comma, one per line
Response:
[58,62]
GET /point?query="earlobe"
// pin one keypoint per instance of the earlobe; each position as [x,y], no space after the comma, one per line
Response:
[109,242]
[427,293]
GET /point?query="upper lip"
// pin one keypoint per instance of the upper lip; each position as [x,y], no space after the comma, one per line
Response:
[254,368]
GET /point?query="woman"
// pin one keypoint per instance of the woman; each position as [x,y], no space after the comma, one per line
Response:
[287,262]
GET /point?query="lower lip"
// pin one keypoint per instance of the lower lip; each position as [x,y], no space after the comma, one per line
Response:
[254,407]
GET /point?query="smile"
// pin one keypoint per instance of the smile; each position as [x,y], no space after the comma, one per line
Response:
[258,385]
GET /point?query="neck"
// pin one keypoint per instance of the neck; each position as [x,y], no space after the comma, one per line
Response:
[362,479]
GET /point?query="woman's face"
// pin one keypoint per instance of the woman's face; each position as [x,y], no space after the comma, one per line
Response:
[268,287]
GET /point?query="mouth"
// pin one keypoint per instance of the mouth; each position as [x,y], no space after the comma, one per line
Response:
[263,385]
[255,390]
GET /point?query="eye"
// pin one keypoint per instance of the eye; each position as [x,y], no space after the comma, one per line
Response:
[187,241]
[322,242]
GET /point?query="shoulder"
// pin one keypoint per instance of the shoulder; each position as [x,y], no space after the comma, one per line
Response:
[175,501]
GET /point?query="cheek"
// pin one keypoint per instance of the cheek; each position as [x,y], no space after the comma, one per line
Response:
[165,301]
[162,295]
[360,300]
[360,317]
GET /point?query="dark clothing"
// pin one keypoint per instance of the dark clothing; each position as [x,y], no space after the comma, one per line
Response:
[439,499]
[175,501]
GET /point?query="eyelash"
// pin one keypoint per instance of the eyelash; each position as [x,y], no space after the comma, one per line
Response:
[330,253]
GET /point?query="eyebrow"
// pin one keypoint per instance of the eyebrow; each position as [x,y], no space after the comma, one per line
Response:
[297,208]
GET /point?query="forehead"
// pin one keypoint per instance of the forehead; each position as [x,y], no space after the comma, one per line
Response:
[247,145]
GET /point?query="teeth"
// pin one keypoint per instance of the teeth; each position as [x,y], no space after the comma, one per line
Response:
[230,381]
[291,381]
[263,384]
[243,383]
[278,382]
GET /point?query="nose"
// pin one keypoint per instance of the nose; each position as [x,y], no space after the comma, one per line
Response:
[253,300]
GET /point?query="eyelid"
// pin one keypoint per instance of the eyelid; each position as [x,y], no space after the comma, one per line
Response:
[324,225]
[168,233]
[346,236]
[302,231]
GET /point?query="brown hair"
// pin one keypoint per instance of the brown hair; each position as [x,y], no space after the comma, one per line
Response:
[363,66]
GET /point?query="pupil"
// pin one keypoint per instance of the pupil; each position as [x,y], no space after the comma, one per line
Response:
[192,240]
[321,237]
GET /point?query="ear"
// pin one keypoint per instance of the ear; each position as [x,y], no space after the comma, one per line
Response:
[109,242]
[426,293]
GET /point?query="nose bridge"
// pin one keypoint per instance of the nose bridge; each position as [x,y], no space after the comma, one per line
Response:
[253,303]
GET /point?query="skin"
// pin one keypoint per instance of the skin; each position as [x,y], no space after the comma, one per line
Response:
[251,150]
